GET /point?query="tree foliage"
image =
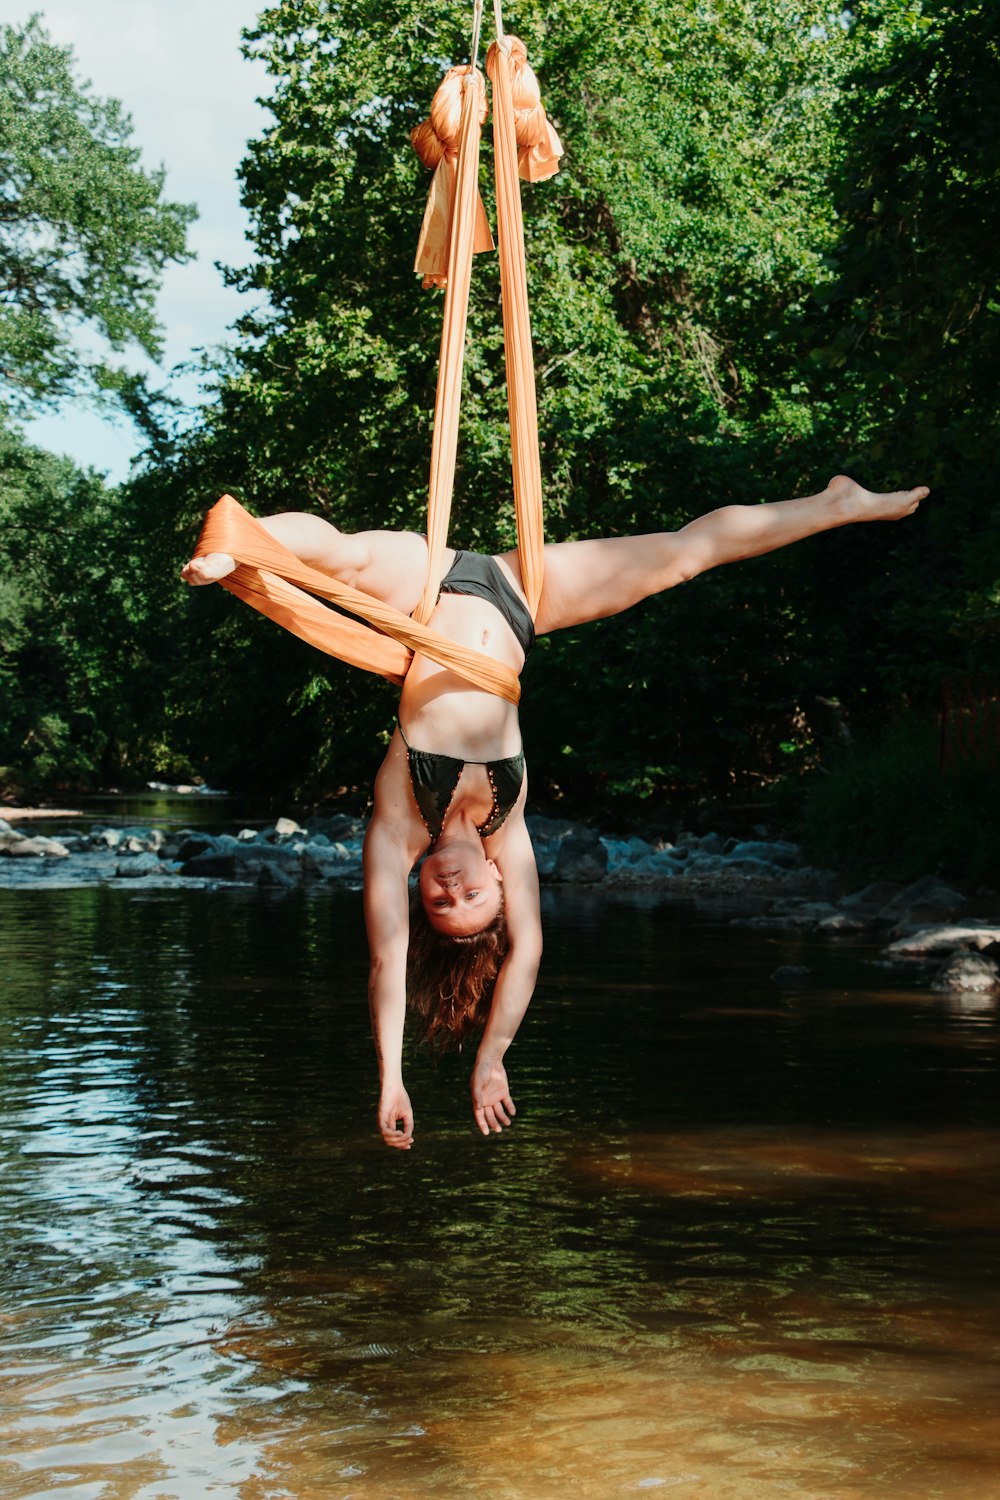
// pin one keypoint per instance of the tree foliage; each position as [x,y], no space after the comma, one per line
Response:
[691,200]
[85,641]
[769,255]
[85,232]
[689,214]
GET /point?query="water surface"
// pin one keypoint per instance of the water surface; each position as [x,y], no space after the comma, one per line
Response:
[741,1241]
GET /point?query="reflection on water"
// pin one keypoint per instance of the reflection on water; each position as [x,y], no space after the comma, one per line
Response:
[740,1243]
[220,811]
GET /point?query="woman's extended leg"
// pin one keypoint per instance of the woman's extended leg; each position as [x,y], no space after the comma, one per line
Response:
[389,565]
[589,580]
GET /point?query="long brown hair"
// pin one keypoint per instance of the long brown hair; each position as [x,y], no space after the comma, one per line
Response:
[449,980]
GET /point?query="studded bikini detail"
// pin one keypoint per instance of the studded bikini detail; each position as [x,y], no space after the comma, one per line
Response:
[435,779]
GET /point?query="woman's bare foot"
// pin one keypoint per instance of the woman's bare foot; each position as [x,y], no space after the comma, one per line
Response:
[865,505]
[208,569]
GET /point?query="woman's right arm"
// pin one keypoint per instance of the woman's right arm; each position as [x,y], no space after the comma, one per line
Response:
[387,864]
[492,1104]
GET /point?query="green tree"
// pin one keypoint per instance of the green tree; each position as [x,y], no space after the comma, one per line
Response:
[768,256]
[903,336]
[689,208]
[86,595]
[689,215]
[85,232]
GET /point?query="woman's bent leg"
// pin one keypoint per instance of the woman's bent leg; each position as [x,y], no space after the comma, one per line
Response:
[589,580]
[389,565]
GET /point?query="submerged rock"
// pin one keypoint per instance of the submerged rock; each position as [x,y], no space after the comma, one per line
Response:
[214,862]
[332,861]
[582,858]
[968,974]
[790,976]
[274,877]
[926,900]
[872,898]
[225,858]
[190,845]
[945,939]
[845,923]
[140,865]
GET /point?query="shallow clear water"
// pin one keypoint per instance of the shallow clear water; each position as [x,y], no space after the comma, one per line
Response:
[741,1241]
[168,810]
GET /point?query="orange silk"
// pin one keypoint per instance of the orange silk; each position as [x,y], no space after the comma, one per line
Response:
[272,579]
[436,142]
[435,232]
[267,579]
[521,402]
[540,146]
[447,404]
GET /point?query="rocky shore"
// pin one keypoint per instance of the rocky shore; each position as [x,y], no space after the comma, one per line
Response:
[928,928]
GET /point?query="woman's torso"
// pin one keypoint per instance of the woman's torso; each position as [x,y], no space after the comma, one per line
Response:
[443,714]
[442,711]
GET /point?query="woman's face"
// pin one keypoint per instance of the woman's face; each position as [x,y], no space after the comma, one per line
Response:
[460,888]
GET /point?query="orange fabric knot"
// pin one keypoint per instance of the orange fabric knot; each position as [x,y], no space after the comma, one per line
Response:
[438,136]
[428,144]
[540,146]
[436,143]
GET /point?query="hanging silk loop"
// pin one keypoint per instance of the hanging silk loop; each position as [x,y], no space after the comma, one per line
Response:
[276,582]
[477,22]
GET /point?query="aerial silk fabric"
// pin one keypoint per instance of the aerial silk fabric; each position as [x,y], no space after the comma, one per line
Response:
[273,580]
[506,63]
[525,144]
[436,142]
[444,442]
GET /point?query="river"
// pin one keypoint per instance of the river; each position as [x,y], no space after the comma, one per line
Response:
[741,1242]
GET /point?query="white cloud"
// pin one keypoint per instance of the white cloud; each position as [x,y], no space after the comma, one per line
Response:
[177,68]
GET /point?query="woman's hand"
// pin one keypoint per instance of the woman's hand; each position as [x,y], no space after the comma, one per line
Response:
[394,1106]
[491,1102]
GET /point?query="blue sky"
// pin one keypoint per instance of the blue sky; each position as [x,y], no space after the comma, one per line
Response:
[176,66]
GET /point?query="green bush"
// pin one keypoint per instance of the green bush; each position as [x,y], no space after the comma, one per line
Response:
[887,807]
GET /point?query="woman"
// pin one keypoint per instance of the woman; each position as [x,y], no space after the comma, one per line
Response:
[453,786]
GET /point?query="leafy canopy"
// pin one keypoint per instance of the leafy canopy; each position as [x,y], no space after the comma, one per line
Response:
[85,232]
[770,255]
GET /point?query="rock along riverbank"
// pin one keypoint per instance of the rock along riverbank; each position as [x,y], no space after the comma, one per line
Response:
[926,927]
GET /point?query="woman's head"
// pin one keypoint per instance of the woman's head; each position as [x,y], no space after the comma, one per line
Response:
[450,979]
[461,891]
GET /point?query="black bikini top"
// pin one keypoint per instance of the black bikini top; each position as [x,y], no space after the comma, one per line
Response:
[472,573]
[435,779]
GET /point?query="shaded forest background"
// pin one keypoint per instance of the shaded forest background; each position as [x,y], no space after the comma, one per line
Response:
[771,255]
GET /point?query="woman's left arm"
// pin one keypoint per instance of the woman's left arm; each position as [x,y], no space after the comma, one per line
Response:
[491,1101]
[388,858]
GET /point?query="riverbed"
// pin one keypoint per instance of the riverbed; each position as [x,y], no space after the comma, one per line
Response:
[740,1242]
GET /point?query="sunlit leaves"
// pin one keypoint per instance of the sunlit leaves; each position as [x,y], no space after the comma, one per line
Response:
[84,231]
[770,254]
